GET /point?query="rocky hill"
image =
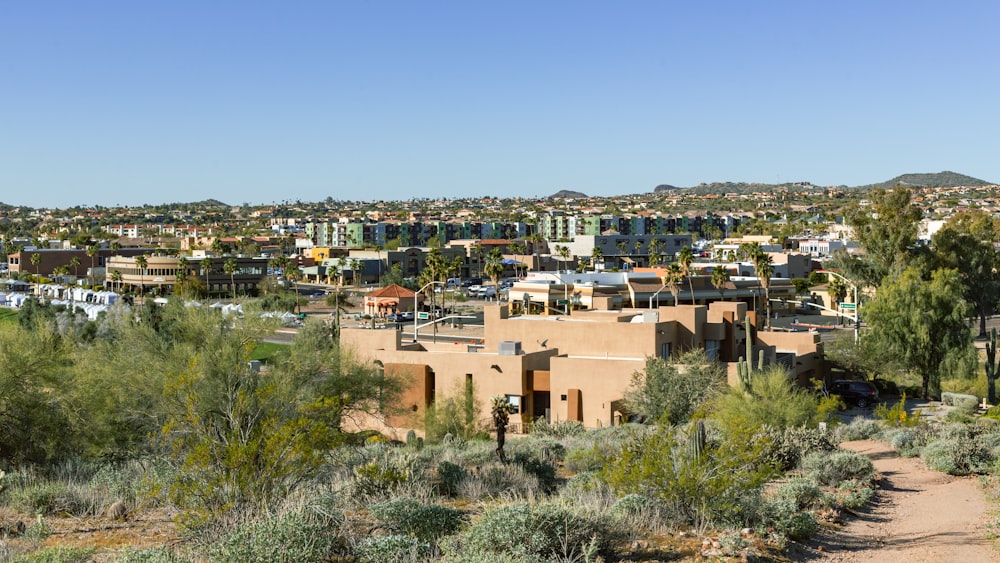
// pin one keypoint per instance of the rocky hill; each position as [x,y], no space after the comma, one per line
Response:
[946,179]
[567,194]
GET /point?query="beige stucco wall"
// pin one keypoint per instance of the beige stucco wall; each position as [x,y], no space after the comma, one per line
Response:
[600,382]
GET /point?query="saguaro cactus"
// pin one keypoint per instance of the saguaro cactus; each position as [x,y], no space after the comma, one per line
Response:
[696,442]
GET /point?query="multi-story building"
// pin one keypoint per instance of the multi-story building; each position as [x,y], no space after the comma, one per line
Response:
[161,272]
[570,367]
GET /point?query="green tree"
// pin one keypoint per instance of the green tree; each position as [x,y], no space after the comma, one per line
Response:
[672,280]
[92,252]
[720,277]
[920,323]
[206,268]
[142,263]
[966,244]
[685,259]
[36,259]
[887,230]
[74,263]
[230,267]
[672,390]
[494,267]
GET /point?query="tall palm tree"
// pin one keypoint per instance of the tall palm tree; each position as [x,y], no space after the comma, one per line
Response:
[563,252]
[116,278]
[355,268]
[230,266]
[536,241]
[671,279]
[206,268]
[685,259]
[720,277]
[477,251]
[116,246]
[494,267]
[597,255]
[74,262]
[293,273]
[142,262]
[36,259]
[92,251]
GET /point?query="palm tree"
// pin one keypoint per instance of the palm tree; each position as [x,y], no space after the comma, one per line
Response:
[206,268]
[685,258]
[293,273]
[142,263]
[230,266]
[494,267]
[116,277]
[622,251]
[720,277]
[672,279]
[654,251]
[74,262]
[596,255]
[355,268]
[764,270]
[116,246]
[536,240]
[36,259]
[92,251]
[563,252]
[477,251]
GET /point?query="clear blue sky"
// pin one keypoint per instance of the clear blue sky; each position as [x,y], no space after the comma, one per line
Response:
[150,102]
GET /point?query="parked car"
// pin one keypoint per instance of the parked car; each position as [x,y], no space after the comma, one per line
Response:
[400,317]
[860,393]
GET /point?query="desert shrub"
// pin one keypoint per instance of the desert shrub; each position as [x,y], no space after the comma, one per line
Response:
[776,401]
[672,390]
[831,468]
[852,494]
[287,537]
[585,459]
[57,554]
[524,530]
[801,492]
[631,505]
[495,479]
[860,428]
[149,555]
[49,497]
[896,415]
[558,429]
[426,523]
[709,485]
[391,549]
[794,443]
[961,450]
[450,477]
[785,516]
[456,414]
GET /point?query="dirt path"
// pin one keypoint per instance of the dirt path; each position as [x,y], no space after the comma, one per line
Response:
[919,515]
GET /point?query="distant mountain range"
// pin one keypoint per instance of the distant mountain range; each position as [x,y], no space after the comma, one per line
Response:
[946,179]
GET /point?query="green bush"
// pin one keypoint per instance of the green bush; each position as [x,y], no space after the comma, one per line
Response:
[794,443]
[531,531]
[853,494]
[149,555]
[859,429]
[776,401]
[495,479]
[426,523]
[961,450]
[585,459]
[57,554]
[391,549]
[288,537]
[450,477]
[558,429]
[832,468]
[802,493]
[710,485]
[785,516]
[673,390]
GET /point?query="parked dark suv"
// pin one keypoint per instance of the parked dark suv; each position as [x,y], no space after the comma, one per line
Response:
[860,393]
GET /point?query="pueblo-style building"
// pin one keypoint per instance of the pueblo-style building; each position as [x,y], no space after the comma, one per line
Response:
[568,367]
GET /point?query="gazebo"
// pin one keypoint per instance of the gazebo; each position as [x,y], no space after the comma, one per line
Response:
[390,299]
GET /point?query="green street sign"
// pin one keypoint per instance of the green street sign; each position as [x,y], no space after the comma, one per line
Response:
[423,316]
[562,302]
[849,306]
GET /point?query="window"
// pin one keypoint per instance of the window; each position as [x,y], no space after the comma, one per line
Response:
[514,401]
[712,349]
[665,350]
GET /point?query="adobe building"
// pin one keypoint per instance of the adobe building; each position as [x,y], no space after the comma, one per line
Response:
[568,367]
